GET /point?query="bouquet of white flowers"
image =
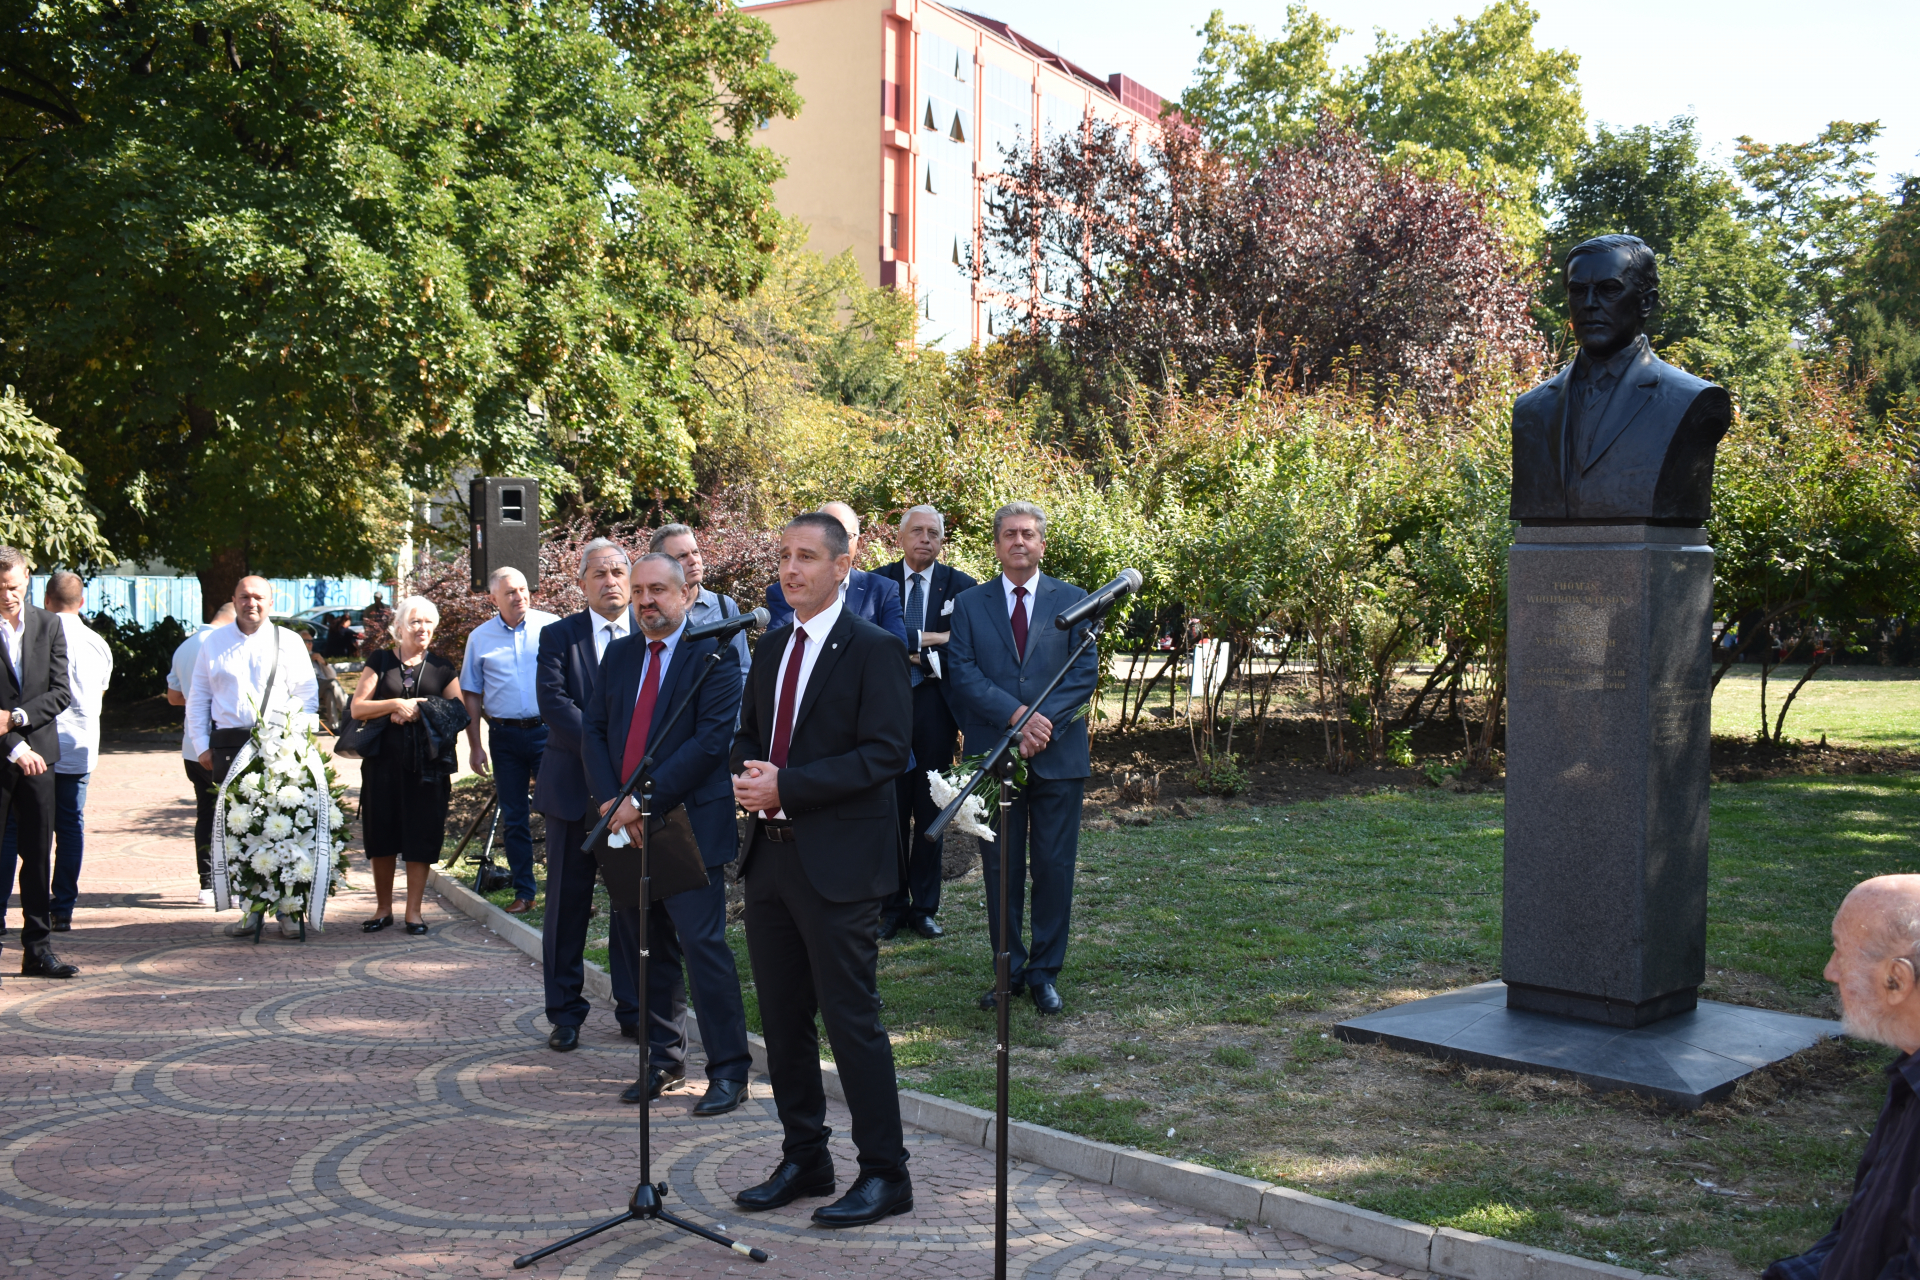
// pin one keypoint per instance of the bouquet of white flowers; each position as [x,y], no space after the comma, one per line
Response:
[280,834]
[977,814]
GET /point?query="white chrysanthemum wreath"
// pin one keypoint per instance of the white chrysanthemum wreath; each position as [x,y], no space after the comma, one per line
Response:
[280,834]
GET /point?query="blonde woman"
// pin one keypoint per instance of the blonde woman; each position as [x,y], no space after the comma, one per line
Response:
[406,773]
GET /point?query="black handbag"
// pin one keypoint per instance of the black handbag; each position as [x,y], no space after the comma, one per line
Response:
[676,862]
[360,740]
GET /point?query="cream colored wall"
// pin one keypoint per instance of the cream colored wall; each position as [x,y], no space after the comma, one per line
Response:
[832,148]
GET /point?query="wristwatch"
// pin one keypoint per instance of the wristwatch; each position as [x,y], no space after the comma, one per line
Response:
[19,718]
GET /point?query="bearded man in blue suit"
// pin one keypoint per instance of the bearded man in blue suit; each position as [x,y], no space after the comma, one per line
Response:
[1002,651]
[864,595]
[642,678]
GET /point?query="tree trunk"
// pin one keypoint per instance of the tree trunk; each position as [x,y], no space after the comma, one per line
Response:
[218,578]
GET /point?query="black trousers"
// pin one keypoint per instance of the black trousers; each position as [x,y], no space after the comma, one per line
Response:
[30,803]
[203,797]
[563,933]
[811,956]
[935,737]
[687,942]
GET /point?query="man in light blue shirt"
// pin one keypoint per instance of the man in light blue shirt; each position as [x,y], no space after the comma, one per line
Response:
[678,541]
[497,684]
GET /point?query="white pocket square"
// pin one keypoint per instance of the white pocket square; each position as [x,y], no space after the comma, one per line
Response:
[947,608]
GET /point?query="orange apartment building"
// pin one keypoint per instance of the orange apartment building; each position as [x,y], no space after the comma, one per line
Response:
[902,185]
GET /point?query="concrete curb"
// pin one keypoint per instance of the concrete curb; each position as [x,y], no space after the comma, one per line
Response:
[1369,1235]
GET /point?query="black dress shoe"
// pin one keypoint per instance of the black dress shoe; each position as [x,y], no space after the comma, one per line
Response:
[652,1085]
[788,1183]
[564,1039]
[47,965]
[887,929]
[986,1001]
[722,1096]
[926,928]
[869,1199]
[629,1032]
[1046,999]
[377,924]
[62,924]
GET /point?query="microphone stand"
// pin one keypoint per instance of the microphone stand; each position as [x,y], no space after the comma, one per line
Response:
[1000,763]
[647,1203]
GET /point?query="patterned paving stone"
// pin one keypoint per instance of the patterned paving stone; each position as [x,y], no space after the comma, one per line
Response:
[381,1106]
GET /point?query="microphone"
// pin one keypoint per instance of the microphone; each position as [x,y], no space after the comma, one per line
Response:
[1126,584]
[727,628]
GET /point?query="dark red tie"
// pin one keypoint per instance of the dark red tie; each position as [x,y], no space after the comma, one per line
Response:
[789,691]
[1020,622]
[643,711]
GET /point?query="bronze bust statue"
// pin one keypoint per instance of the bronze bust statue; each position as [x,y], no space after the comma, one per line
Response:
[1619,436]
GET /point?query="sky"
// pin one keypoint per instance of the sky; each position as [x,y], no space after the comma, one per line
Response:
[1775,71]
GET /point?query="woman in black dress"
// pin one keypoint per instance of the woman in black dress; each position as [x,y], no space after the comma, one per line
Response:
[406,775]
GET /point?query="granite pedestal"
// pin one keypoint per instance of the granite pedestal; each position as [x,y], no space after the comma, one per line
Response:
[1609,700]
[1604,921]
[1685,1060]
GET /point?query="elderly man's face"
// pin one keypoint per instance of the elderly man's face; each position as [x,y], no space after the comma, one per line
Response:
[511,597]
[1607,309]
[605,582]
[920,541]
[1877,991]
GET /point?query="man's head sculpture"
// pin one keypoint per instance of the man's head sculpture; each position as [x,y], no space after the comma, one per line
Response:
[1618,436]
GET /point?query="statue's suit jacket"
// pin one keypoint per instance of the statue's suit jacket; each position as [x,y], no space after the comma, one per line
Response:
[1652,457]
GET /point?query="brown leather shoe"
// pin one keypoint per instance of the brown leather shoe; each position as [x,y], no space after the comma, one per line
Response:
[519,906]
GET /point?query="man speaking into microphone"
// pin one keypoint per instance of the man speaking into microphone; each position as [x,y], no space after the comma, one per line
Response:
[1003,650]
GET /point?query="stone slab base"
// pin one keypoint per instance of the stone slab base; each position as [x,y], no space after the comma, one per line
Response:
[1687,1060]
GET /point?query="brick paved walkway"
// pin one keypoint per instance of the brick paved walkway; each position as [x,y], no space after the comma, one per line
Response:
[382,1106]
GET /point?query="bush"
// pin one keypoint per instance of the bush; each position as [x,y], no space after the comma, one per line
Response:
[142,656]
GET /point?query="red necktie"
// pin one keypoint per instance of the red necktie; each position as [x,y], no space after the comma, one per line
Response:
[642,723]
[789,691]
[1020,622]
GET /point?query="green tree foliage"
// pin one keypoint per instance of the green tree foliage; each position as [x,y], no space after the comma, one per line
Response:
[43,506]
[270,263]
[1881,320]
[1476,101]
[1724,305]
[1816,203]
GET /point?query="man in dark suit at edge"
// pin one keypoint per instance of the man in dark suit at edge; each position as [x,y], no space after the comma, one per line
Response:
[643,678]
[928,589]
[1004,650]
[570,657]
[33,693]
[823,735]
[866,595]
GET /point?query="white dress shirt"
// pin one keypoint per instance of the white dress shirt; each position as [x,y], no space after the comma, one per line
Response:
[816,628]
[230,675]
[89,670]
[180,679]
[14,638]
[501,662]
[605,632]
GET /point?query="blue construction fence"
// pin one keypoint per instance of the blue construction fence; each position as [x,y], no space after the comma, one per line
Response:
[145,601]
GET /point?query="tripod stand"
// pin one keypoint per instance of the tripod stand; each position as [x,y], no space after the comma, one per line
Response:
[647,1202]
[1001,763]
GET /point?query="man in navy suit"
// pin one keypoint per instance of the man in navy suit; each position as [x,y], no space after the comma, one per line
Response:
[567,670]
[1003,650]
[864,595]
[929,589]
[644,677]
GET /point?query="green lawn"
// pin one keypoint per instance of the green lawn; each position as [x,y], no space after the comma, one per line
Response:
[1210,956]
[1865,706]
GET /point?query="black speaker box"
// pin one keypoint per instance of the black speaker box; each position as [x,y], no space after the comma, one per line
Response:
[506,528]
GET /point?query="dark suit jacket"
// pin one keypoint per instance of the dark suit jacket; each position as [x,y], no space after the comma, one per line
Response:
[987,681]
[869,596]
[850,741]
[690,760]
[41,691]
[944,583]
[565,673]
[1651,460]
